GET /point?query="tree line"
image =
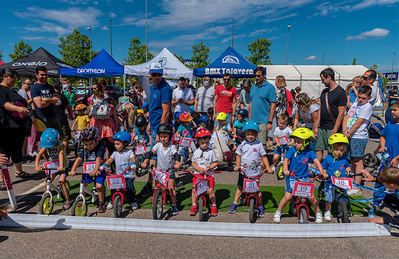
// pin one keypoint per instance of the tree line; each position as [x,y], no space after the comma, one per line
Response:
[76,50]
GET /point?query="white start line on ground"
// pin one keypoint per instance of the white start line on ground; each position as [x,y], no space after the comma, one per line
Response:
[30,221]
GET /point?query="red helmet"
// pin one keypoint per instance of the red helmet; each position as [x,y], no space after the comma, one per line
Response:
[185,117]
[203,133]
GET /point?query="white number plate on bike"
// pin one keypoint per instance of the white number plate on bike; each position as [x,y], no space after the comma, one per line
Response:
[185,142]
[201,187]
[89,167]
[116,182]
[303,189]
[162,177]
[251,186]
[140,149]
[50,165]
[343,183]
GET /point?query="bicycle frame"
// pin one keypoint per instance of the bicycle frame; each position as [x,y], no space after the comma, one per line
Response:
[254,195]
[160,186]
[10,191]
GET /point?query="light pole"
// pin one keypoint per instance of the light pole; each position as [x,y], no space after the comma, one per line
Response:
[288,37]
[146,30]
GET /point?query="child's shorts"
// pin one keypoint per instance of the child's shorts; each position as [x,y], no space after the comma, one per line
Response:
[281,149]
[290,182]
[357,147]
[210,179]
[100,179]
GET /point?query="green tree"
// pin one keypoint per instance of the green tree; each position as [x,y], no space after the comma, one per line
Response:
[260,51]
[354,61]
[374,67]
[200,56]
[1,55]
[137,52]
[75,49]
[21,50]
[181,58]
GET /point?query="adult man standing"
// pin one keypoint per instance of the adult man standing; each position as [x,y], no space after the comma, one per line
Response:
[44,99]
[368,78]
[182,97]
[332,107]
[160,99]
[205,96]
[226,99]
[262,104]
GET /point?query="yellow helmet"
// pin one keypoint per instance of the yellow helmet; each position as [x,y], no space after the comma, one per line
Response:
[80,107]
[140,111]
[222,116]
[337,138]
[303,133]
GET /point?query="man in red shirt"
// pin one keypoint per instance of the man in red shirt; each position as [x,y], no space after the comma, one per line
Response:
[226,99]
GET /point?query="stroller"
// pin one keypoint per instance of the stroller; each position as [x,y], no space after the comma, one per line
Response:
[370,160]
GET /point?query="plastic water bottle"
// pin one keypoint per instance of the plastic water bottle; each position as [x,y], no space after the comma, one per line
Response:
[371,214]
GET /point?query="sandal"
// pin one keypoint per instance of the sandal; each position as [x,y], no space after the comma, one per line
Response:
[23,175]
[2,186]
[67,205]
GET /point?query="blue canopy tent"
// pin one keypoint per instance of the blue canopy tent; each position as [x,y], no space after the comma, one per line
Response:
[230,62]
[102,65]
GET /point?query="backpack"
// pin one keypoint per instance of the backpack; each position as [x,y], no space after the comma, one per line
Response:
[101,110]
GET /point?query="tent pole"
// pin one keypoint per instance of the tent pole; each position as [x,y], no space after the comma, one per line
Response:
[124,84]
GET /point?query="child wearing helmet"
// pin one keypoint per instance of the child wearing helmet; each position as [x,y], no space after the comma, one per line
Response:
[93,151]
[185,130]
[282,135]
[204,162]
[252,155]
[52,149]
[222,123]
[167,159]
[242,117]
[124,159]
[140,132]
[296,169]
[336,164]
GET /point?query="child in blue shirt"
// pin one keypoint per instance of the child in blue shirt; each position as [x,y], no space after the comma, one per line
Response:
[242,117]
[185,130]
[336,164]
[389,142]
[296,169]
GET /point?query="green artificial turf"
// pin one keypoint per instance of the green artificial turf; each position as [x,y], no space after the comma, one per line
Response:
[224,196]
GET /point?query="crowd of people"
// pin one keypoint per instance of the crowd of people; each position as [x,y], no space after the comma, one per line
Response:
[204,128]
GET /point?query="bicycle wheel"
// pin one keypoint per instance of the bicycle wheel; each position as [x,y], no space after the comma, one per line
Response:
[201,208]
[279,171]
[252,210]
[157,206]
[79,207]
[343,213]
[303,216]
[46,204]
[118,206]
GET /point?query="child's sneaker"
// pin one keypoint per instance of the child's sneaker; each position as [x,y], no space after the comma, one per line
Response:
[110,206]
[101,207]
[175,210]
[193,210]
[233,208]
[319,218]
[134,205]
[261,211]
[214,211]
[327,215]
[277,217]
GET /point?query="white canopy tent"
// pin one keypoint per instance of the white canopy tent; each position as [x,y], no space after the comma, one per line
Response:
[308,76]
[172,68]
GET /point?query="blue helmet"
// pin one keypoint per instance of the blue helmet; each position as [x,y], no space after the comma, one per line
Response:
[50,138]
[123,136]
[243,113]
[145,105]
[203,119]
[250,125]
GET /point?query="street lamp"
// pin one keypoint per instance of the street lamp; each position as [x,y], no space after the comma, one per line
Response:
[288,37]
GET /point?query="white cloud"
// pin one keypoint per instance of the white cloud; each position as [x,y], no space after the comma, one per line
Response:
[41,39]
[369,3]
[335,7]
[180,15]
[311,58]
[374,33]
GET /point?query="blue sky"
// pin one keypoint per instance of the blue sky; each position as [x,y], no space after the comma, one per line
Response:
[365,29]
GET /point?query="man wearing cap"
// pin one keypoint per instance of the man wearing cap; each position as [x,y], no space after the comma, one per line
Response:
[182,97]
[160,99]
